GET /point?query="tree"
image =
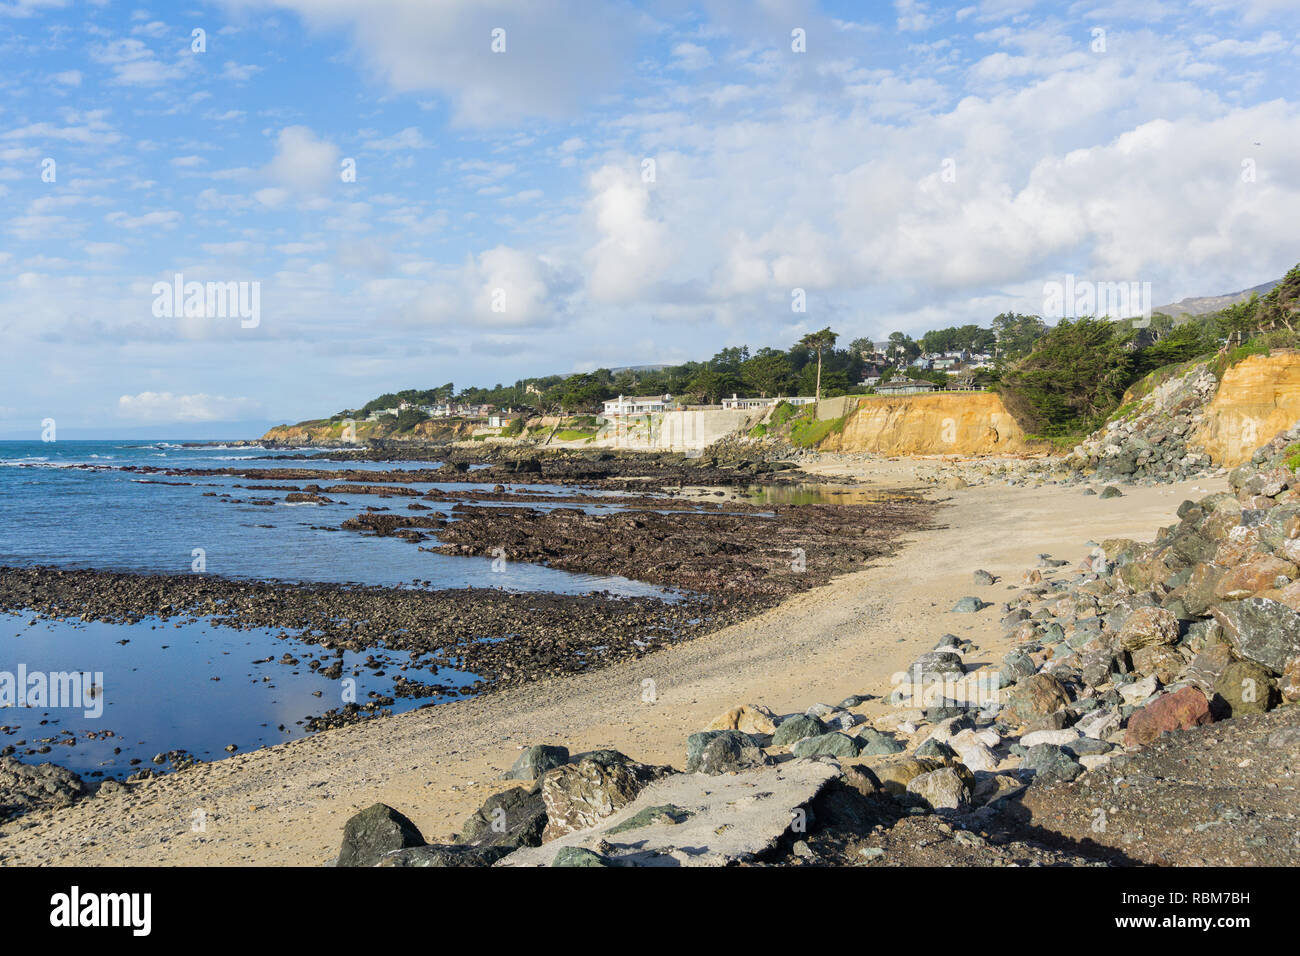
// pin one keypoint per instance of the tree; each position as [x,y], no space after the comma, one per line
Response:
[1016,335]
[583,392]
[1072,379]
[863,347]
[819,342]
[729,360]
[710,385]
[902,349]
[767,373]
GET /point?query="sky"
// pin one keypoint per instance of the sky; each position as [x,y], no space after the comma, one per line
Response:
[414,192]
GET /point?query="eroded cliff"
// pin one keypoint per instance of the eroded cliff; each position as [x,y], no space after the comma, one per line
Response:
[944,423]
[1257,398]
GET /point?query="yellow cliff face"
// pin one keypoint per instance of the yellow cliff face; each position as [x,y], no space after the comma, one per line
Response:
[1258,397]
[945,423]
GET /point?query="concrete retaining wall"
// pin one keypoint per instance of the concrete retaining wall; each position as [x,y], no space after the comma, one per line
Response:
[673,431]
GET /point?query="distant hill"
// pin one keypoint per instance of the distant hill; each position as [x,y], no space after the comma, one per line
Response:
[639,368]
[1213,303]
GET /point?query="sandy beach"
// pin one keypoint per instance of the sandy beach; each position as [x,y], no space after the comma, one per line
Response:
[286,805]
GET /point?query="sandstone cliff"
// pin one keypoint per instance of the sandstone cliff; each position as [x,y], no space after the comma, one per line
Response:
[1257,398]
[944,423]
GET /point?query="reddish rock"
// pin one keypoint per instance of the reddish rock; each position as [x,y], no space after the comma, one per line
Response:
[1260,573]
[1240,546]
[1180,710]
[1289,595]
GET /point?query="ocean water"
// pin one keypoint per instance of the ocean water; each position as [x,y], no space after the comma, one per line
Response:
[68,504]
[61,503]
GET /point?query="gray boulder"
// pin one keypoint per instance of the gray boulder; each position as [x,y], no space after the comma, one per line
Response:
[722,751]
[374,832]
[1260,630]
[512,818]
[1049,763]
[535,761]
[833,745]
[794,729]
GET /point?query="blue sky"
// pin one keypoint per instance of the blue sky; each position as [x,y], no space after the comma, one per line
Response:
[622,184]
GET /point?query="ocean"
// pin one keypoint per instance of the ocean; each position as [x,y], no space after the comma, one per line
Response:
[190,685]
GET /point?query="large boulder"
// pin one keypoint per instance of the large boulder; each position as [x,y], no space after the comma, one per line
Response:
[1161,660]
[1197,594]
[579,795]
[694,820]
[1181,710]
[794,729]
[1033,698]
[511,818]
[1148,626]
[535,761]
[1205,668]
[944,789]
[1050,763]
[1245,687]
[747,718]
[896,772]
[375,832]
[1266,632]
[1262,572]
[722,751]
[872,742]
[1016,666]
[936,665]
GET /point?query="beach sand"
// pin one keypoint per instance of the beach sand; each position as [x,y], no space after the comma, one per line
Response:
[287,804]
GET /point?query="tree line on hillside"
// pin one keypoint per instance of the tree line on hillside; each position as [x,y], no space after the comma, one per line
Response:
[811,366]
[1078,371]
[1059,380]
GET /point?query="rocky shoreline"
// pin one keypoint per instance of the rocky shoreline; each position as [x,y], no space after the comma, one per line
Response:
[1146,714]
[730,560]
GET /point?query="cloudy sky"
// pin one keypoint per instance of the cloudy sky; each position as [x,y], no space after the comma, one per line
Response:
[480,190]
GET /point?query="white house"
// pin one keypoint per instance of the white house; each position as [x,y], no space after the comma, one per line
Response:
[747,404]
[626,405]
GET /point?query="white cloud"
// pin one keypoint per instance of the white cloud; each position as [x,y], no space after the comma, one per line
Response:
[160,219]
[303,163]
[409,138]
[416,46]
[163,407]
[134,64]
[239,73]
[633,247]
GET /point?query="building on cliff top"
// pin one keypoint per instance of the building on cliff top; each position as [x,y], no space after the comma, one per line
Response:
[749,404]
[637,405]
[904,386]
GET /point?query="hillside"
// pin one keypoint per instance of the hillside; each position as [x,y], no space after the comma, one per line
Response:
[1202,305]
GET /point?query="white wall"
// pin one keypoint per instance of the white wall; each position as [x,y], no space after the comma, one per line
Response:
[674,431]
